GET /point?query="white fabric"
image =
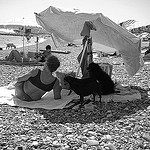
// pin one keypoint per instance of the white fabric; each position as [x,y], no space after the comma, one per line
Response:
[108,36]
[48,102]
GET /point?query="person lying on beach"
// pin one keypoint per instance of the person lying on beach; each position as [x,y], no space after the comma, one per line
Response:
[18,57]
[32,86]
[21,57]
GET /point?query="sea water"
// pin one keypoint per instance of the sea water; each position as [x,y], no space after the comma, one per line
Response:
[17,40]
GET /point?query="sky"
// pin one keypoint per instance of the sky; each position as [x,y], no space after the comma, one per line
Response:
[15,11]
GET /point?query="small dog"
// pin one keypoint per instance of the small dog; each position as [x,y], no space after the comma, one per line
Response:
[84,87]
[61,76]
[103,78]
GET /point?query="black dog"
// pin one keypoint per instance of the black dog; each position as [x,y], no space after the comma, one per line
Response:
[84,87]
[103,78]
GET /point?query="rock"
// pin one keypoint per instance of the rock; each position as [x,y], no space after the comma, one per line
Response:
[109,115]
[132,120]
[56,144]
[69,130]
[127,127]
[70,136]
[35,144]
[83,138]
[107,138]
[111,146]
[148,108]
[92,133]
[92,137]
[59,135]
[146,137]
[92,142]
[66,147]
[19,148]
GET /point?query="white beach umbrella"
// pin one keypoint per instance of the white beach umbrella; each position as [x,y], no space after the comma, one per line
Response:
[108,35]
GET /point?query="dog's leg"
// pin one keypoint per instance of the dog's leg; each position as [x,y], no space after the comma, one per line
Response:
[69,92]
[100,98]
[94,98]
[81,102]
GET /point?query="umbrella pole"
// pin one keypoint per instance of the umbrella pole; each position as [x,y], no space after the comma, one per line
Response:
[23,42]
[82,57]
[37,44]
[53,41]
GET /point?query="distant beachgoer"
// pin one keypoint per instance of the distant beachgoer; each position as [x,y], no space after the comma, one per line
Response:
[35,84]
[21,57]
[17,57]
[46,53]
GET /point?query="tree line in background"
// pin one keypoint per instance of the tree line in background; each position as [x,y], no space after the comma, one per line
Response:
[30,31]
[19,29]
[140,30]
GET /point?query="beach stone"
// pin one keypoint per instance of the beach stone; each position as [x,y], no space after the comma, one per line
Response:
[69,130]
[107,137]
[59,135]
[92,133]
[85,130]
[70,136]
[127,127]
[19,148]
[111,146]
[146,136]
[56,144]
[83,138]
[148,108]
[66,147]
[35,143]
[80,149]
[92,142]
[109,115]
[92,137]
[99,148]
[132,120]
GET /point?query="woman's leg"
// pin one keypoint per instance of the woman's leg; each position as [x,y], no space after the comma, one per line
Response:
[14,54]
[19,92]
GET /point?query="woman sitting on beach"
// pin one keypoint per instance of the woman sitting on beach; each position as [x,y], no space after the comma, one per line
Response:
[21,57]
[35,84]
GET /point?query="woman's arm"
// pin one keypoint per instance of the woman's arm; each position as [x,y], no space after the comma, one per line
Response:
[27,76]
[57,90]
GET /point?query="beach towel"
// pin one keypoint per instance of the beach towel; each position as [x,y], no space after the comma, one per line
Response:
[124,95]
[146,57]
[31,63]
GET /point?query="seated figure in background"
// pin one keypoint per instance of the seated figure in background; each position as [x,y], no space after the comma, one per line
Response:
[35,84]
[42,56]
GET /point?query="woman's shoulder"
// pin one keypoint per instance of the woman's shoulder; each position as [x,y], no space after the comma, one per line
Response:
[34,72]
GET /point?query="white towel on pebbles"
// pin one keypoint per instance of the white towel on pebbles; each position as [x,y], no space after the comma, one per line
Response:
[48,102]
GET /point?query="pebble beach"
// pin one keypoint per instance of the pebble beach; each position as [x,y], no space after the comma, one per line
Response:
[118,126]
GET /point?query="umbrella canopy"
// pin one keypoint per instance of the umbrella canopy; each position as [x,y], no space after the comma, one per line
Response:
[108,37]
